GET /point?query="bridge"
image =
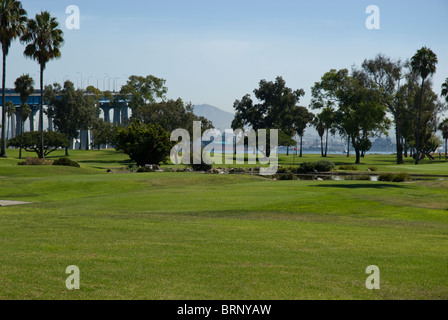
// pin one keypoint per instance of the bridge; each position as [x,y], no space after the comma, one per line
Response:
[119,108]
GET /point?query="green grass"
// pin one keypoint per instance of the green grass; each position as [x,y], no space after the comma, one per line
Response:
[195,236]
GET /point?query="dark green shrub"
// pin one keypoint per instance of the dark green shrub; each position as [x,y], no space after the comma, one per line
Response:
[306,167]
[285,176]
[373,169]
[324,166]
[66,162]
[401,177]
[388,177]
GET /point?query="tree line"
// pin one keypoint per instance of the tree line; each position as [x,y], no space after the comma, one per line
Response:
[355,104]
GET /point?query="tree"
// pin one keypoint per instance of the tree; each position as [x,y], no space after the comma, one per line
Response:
[170,115]
[359,113]
[144,143]
[423,63]
[12,25]
[443,127]
[384,76]
[70,109]
[274,110]
[25,112]
[445,90]
[43,39]
[24,86]
[31,142]
[10,110]
[320,127]
[143,90]
[302,117]
[103,133]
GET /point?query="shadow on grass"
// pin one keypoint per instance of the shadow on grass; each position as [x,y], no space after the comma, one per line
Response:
[360,186]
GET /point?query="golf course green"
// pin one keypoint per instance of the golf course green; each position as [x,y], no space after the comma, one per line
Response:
[181,235]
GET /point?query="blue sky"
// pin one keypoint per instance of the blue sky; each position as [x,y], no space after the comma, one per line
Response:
[216,51]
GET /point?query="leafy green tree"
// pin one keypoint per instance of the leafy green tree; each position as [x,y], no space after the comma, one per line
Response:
[170,115]
[31,142]
[144,143]
[103,133]
[423,63]
[70,109]
[12,25]
[443,127]
[385,76]
[301,118]
[143,90]
[274,110]
[44,40]
[359,112]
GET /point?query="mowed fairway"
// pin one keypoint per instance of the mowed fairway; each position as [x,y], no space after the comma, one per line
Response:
[197,236]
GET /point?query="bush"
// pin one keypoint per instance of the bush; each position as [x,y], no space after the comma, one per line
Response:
[144,143]
[390,177]
[324,166]
[401,177]
[373,169]
[387,177]
[35,162]
[285,176]
[31,142]
[306,167]
[347,167]
[66,162]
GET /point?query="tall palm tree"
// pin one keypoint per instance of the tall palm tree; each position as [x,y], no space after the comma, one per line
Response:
[12,25]
[445,90]
[24,86]
[444,128]
[424,64]
[10,110]
[44,40]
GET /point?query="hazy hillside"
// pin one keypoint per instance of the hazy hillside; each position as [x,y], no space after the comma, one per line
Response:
[221,119]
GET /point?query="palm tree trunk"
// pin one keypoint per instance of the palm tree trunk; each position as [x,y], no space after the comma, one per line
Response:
[446,151]
[399,143]
[3,141]
[348,147]
[41,113]
[322,145]
[301,146]
[417,155]
[7,131]
[326,144]
[21,138]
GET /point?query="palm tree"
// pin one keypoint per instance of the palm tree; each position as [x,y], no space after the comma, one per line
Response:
[24,86]
[44,39]
[10,110]
[445,90]
[12,25]
[444,128]
[424,64]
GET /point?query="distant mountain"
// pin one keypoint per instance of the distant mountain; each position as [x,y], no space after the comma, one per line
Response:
[221,119]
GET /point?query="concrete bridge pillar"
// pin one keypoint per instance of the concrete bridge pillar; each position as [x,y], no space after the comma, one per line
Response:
[106,111]
[117,115]
[34,110]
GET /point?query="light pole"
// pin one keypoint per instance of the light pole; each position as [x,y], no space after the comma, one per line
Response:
[81,79]
[106,75]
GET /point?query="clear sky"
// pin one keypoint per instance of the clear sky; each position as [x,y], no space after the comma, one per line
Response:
[216,51]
